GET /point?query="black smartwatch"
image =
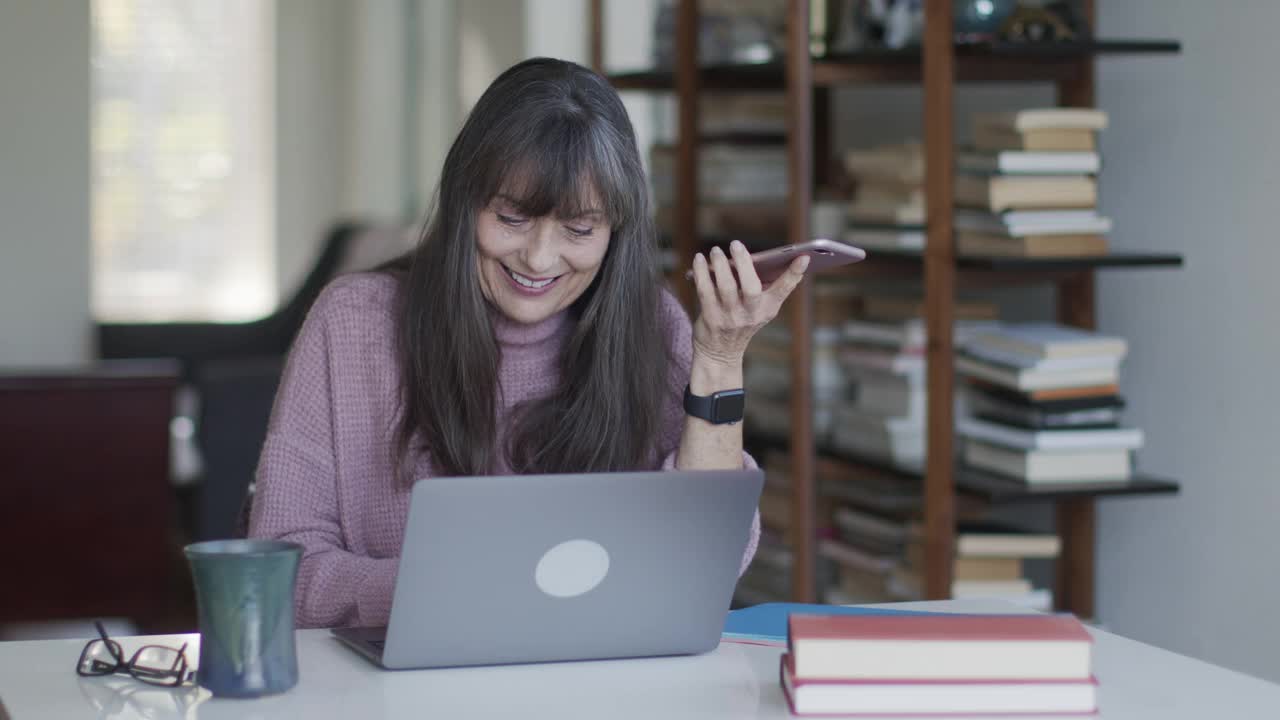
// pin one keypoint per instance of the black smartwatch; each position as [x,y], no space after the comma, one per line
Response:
[719,408]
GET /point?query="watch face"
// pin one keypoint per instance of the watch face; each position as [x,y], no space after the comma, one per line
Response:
[729,405]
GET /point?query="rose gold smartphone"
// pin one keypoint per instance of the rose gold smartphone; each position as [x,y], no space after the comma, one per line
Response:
[772,263]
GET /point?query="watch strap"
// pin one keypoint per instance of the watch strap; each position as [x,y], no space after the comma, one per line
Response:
[719,408]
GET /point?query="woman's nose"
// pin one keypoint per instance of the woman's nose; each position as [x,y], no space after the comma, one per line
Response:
[540,253]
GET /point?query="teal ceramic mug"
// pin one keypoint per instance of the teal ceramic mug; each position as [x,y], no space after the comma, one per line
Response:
[244,595]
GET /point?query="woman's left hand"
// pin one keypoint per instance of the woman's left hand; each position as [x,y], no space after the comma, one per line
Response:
[733,308]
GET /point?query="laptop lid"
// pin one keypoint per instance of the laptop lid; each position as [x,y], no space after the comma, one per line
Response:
[537,568]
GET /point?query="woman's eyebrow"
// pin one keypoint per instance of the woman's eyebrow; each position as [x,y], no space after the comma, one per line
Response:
[592,213]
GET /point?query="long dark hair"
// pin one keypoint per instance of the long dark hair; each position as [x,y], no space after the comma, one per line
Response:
[544,132]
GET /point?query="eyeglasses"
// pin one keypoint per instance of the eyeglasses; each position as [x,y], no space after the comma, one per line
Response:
[152,664]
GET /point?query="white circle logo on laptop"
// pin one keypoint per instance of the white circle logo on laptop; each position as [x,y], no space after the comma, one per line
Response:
[572,568]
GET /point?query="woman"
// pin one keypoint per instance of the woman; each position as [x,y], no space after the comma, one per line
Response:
[527,333]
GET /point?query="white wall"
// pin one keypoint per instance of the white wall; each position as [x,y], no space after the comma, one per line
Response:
[44,183]
[1192,166]
[440,111]
[491,38]
[377,93]
[557,28]
[312,55]
[346,98]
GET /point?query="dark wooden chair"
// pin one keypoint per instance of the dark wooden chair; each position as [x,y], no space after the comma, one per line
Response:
[234,369]
[87,513]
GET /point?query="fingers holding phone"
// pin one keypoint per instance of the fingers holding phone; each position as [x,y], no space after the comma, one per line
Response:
[782,286]
[733,301]
[748,280]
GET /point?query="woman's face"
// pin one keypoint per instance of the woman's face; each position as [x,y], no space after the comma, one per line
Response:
[533,267]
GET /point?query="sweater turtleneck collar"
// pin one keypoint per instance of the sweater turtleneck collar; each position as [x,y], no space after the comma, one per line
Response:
[510,333]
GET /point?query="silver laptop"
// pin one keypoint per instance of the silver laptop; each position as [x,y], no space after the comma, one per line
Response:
[538,568]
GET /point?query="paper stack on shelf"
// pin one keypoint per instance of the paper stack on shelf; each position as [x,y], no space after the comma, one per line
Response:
[884,360]
[866,549]
[768,578]
[888,210]
[747,117]
[742,182]
[870,511]
[1028,188]
[878,557]
[767,373]
[1046,405]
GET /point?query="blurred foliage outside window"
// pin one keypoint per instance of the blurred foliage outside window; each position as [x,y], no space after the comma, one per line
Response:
[183,169]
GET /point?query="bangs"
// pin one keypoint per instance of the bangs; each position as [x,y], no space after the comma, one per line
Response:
[560,170]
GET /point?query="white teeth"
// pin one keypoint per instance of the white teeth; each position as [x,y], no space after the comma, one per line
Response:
[534,284]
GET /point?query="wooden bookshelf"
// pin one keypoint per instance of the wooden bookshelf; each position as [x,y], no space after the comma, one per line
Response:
[974,63]
[937,66]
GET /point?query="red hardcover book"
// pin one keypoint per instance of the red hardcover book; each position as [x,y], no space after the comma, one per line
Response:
[947,698]
[940,647]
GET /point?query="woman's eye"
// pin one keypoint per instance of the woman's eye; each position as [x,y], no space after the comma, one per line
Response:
[512,220]
[579,231]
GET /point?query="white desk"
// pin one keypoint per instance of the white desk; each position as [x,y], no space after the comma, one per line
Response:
[37,680]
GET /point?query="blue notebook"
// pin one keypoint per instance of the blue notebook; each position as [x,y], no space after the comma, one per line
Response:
[767,623]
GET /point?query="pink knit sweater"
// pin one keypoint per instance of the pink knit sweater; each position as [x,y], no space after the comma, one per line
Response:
[326,479]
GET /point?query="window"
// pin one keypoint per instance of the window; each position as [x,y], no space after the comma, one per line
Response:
[183,168]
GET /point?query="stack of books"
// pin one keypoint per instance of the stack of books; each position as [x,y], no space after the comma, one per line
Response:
[990,562]
[1046,406]
[939,665]
[880,558]
[864,552]
[744,136]
[888,210]
[775,499]
[870,512]
[748,117]
[733,179]
[1028,188]
[767,372]
[884,360]
[768,578]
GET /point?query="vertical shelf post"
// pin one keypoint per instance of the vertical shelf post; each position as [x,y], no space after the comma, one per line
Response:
[799,88]
[823,149]
[687,191]
[595,35]
[939,280]
[1074,578]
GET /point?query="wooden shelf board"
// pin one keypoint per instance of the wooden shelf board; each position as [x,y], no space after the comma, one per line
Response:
[997,489]
[763,76]
[975,63]
[1064,264]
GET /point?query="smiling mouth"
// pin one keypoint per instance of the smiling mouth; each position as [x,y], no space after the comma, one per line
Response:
[529,282]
